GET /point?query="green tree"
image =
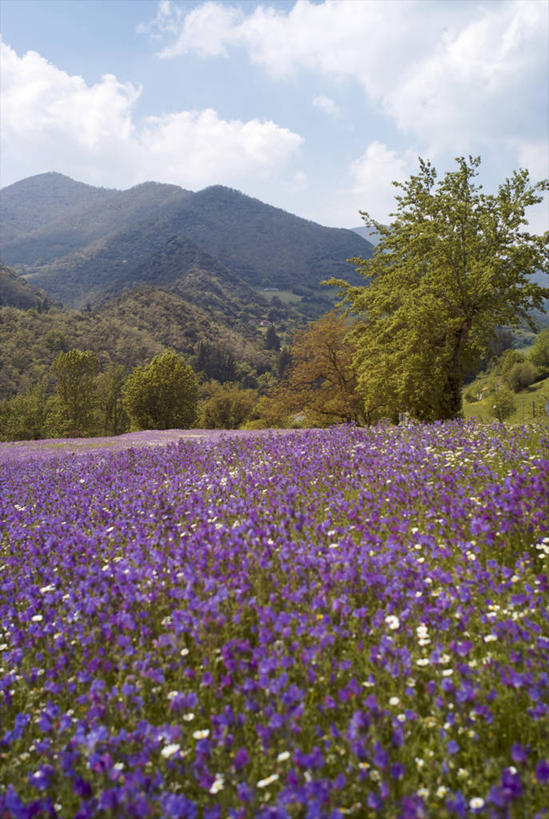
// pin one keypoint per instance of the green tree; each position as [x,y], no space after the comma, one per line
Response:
[227,407]
[454,264]
[521,375]
[75,372]
[272,341]
[23,416]
[114,419]
[162,395]
[502,404]
[509,359]
[539,352]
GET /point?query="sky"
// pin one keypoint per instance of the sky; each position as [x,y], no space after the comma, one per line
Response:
[314,106]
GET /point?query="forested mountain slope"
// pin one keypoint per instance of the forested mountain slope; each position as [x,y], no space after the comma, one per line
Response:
[15,291]
[80,243]
[129,330]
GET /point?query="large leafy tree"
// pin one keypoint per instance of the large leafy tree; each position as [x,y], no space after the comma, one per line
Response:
[453,265]
[76,371]
[162,395]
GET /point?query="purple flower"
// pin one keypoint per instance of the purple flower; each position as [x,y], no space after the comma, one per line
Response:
[542,771]
[241,758]
[519,753]
[177,806]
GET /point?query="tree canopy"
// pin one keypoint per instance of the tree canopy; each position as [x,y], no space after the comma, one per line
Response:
[321,381]
[453,265]
[162,395]
[76,371]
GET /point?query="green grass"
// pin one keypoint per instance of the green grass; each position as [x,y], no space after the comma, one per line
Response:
[529,405]
[285,296]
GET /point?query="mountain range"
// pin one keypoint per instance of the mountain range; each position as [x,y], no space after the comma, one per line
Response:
[81,244]
[129,273]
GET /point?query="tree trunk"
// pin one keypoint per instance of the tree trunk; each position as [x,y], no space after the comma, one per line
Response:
[450,399]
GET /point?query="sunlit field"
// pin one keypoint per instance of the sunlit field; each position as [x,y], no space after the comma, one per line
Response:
[342,622]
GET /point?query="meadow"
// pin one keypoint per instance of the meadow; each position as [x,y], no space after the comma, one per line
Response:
[326,623]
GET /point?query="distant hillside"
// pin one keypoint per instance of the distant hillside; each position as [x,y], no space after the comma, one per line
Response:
[33,203]
[96,242]
[84,226]
[369,234]
[267,246]
[129,329]
[15,291]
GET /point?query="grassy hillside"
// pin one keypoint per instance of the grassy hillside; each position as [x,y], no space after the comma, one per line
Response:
[530,404]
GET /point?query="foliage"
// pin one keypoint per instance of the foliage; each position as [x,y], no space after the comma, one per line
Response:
[24,415]
[343,622]
[321,380]
[162,395]
[15,291]
[216,361]
[539,352]
[161,234]
[509,359]
[272,341]
[454,264]
[502,403]
[109,386]
[128,331]
[75,372]
[521,375]
[226,407]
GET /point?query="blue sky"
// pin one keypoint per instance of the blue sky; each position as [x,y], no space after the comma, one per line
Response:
[313,106]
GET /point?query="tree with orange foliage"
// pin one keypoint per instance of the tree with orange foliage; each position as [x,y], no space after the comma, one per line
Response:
[321,381]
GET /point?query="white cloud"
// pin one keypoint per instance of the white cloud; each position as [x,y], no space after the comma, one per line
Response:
[372,177]
[39,98]
[200,148]
[327,105]
[455,76]
[368,187]
[203,30]
[54,121]
[483,81]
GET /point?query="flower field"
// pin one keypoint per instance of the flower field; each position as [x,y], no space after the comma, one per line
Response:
[342,622]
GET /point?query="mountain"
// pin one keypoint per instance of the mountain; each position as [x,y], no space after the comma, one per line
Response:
[16,292]
[31,204]
[264,245]
[72,220]
[369,234]
[81,243]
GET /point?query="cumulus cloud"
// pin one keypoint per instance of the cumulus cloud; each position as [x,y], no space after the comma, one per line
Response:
[39,98]
[199,147]
[453,75]
[52,120]
[372,177]
[327,105]
[368,186]
[203,30]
